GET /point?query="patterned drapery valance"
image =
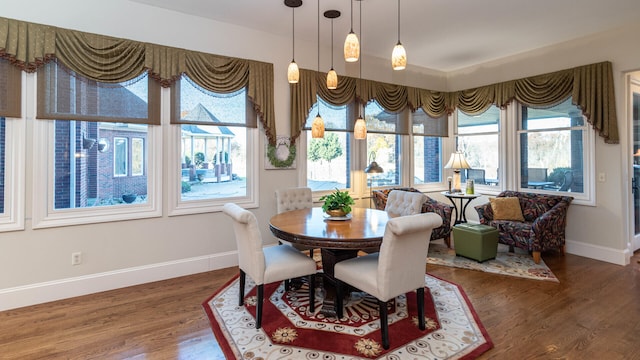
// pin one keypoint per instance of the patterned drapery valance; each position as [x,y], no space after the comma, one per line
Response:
[113,60]
[107,59]
[590,86]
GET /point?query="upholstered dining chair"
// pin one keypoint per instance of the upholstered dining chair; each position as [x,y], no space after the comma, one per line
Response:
[294,199]
[398,268]
[402,203]
[266,265]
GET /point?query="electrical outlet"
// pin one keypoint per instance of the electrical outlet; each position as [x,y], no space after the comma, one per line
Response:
[602,177]
[76,258]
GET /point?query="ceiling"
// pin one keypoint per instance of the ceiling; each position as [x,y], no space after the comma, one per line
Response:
[442,35]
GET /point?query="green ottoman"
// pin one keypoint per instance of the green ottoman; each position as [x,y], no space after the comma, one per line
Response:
[475,241]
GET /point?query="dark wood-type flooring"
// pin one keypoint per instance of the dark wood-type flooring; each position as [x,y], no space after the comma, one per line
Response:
[593,313]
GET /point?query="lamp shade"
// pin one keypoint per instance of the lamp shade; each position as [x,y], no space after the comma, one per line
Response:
[360,129]
[293,73]
[317,127]
[457,161]
[332,79]
[351,48]
[399,57]
[373,168]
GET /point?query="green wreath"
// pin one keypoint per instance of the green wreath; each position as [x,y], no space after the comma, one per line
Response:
[271,155]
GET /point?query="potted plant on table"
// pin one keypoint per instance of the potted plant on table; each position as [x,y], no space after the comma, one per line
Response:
[337,204]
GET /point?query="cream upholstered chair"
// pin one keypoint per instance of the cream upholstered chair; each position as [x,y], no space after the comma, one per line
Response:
[401,203]
[266,265]
[398,268]
[294,199]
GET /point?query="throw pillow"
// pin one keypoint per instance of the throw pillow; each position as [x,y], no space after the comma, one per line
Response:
[506,208]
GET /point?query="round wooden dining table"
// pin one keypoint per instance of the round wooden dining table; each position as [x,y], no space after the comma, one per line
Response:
[338,239]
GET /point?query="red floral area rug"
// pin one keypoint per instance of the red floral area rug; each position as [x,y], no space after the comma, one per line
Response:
[289,331]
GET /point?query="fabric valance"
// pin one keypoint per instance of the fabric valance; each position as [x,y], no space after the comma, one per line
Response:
[108,59]
[590,86]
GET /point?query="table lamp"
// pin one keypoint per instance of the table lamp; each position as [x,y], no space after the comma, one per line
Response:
[373,168]
[457,162]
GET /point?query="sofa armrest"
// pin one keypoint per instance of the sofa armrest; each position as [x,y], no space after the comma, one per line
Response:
[553,221]
[485,214]
[444,210]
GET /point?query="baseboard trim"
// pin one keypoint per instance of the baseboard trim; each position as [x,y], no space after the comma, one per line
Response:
[597,252]
[21,296]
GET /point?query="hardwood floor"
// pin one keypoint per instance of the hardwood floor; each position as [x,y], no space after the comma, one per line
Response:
[594,313]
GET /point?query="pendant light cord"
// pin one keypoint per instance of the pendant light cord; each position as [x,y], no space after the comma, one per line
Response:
[293,31]
[318,51]
[398,22]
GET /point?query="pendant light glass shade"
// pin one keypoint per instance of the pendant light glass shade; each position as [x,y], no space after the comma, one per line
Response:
[360,129]
[317,127]
[332,79]
[351,48]
[293,73]
[399,57]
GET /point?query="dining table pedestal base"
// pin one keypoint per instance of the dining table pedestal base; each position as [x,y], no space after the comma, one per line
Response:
[330,257]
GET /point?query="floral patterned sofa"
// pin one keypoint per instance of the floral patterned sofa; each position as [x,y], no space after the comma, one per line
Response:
[545,220]
[442,209]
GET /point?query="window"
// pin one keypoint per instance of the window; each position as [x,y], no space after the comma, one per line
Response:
[12,151]
[215,147]
[120,156]
[427,150]
[329,158]
[137,156]
[478,138]
[552,148]
[87,180]
[384,144]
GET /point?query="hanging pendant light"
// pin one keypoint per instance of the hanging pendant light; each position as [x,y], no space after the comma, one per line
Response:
[293,73]
[317,127]
[399,55]
[351,44]
[332,76]
[360,127]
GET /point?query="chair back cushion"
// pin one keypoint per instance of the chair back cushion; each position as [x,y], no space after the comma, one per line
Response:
[402,203]
[403,254]
[249,240]
[293,199]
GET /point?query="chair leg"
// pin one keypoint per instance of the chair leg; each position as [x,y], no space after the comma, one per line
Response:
[338,303]
[241,292]
[259,306]
[420,298]
[312,293]
[536,257]
[384,323]
[563,248]
[447,240]
[311,253]
[287,285]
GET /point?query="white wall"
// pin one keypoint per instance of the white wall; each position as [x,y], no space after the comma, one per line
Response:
[35,265]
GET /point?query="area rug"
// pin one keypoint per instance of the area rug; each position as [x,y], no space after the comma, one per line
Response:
[290,332]
[506,263]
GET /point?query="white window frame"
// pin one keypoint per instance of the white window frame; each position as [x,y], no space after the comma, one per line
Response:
[14,187]
[587,197]
[176,205]
[44,214]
